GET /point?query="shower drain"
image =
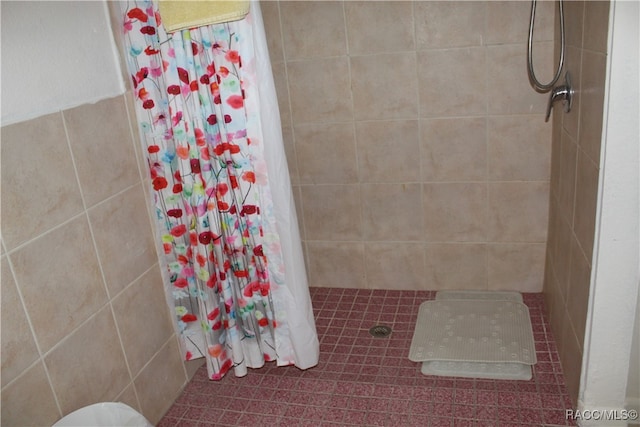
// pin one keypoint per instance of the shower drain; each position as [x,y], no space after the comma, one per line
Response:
[380,331]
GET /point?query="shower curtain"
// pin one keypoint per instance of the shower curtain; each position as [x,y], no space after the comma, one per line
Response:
[226,225]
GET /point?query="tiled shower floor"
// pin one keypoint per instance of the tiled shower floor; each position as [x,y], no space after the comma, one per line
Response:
[362,380]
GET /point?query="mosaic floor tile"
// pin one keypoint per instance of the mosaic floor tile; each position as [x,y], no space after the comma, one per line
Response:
[363,380]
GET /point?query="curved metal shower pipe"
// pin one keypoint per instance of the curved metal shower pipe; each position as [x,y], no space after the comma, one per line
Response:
[542,87]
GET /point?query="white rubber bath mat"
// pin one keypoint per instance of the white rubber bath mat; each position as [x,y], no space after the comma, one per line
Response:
[482,295]
[474,334]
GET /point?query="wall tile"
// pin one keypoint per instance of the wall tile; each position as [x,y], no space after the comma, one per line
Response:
[508,21]
[60,280]
[455,212]
[72,365]
[124,251]
[328,153]
[313,29]
[516,267]
[574,22]
[336,264]
[384,86]
[192,366]
[320,90]
[452,82]
[128,397]
[567,178]
[271,18]
[456,266]
[82,369]
[332,212]
[519,148]
[453,149]
[290,153]
[48,174]
[144,299]
[586,24]
[445,24]
[549,292]
[573,65]
[395,265]
[578,295]
[563,255]
[577,270]
[556,147]
[552,232]
[297,199]
[160,381]
[571,358]
[282,92]
[18,346]
[143,166]
[450,61]
[518,211]
[29,401]
[508,89]
[101,131]
[564,329]
[585,203]
[387,151]
[592,103]
[596,21]
[557,315]
[392,32]
[389,211]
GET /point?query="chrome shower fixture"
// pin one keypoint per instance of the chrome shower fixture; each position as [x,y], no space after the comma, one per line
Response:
[544,87]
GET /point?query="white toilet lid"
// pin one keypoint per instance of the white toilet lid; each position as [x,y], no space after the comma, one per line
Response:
[105,414]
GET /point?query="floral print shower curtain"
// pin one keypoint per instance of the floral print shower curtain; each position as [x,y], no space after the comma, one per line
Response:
[195,101]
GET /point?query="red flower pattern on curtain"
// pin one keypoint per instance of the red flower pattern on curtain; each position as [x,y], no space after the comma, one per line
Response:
[209,188]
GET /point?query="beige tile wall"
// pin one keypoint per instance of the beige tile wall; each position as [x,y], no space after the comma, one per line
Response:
[418,151]
[574,184]
[84,318]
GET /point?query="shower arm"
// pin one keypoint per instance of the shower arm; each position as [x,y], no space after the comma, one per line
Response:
[541,87]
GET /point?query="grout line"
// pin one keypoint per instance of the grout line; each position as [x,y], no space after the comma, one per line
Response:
[488,182]
[69,220]
[352,122]
[352,387]
[137,142]
[84,213]
[73,162]
[301,221]
[93,238]
[136,138]
[41,355]
[420,135]
[418,118]
[487,205]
